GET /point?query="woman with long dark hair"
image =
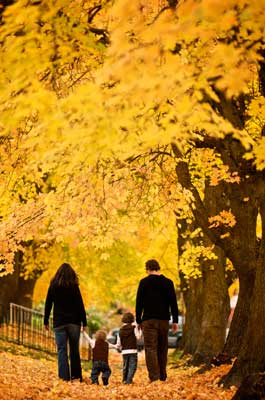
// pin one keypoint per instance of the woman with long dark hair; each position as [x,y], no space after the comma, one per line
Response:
[68,316]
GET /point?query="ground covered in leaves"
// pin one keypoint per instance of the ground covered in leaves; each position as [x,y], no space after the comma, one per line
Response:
[23,377]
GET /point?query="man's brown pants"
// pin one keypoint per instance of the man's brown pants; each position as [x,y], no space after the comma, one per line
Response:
[156,347]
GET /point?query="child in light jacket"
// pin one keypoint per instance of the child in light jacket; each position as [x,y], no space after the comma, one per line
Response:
[127,343]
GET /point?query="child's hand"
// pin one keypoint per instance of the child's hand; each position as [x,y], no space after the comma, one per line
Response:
[118,348]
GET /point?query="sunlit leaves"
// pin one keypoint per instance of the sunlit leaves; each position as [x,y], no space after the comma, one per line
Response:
[193,254]
[259,154]
[71,108]
[225,218]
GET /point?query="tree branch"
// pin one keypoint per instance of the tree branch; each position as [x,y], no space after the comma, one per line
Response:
[92,12]
[200,213]
[101,32]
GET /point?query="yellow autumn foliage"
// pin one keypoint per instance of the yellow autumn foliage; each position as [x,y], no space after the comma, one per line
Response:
[77,108]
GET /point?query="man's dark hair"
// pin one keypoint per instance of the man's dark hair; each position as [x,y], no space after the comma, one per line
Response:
[127,318]
[152,265]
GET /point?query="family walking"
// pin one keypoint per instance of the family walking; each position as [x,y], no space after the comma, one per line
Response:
[155,303]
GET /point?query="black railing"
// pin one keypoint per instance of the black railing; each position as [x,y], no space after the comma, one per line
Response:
[24,326]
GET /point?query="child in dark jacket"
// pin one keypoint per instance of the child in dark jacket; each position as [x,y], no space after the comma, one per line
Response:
[127,343]
[100,357]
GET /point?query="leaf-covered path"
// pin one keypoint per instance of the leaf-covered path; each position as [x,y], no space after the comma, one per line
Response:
[26,378]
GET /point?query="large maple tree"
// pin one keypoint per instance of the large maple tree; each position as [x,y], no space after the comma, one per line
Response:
[122,79]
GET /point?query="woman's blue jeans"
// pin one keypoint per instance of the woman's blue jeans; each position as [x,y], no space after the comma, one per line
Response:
[68,335]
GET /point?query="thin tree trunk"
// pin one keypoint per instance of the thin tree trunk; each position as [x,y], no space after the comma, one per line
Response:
[193,302]
[192,293]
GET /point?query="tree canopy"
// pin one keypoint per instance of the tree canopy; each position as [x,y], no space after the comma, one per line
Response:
[83,83]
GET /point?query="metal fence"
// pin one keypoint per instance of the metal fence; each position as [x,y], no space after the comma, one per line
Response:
[24,326]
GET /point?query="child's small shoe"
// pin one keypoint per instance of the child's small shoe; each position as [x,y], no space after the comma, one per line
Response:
[105,381]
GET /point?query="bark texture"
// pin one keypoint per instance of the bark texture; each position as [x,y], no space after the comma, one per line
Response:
[206,301]
[192,294]
[251,358]
[192,290]
[215,301]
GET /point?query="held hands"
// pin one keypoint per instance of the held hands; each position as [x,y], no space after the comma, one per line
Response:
[118,348]
[174,327]
[46,327]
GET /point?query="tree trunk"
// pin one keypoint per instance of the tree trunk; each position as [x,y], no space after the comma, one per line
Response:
[215,310]
[206,300]
[251,388]
[238,240]
[15,288]
[215,293]
[251,357]
[192,295]
[25,290]
[241,316]
[9,284]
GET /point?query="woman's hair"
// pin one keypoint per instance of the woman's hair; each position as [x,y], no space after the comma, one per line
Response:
[65,276]
[101,335]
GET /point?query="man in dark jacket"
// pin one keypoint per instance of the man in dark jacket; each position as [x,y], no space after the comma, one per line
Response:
[155,300]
